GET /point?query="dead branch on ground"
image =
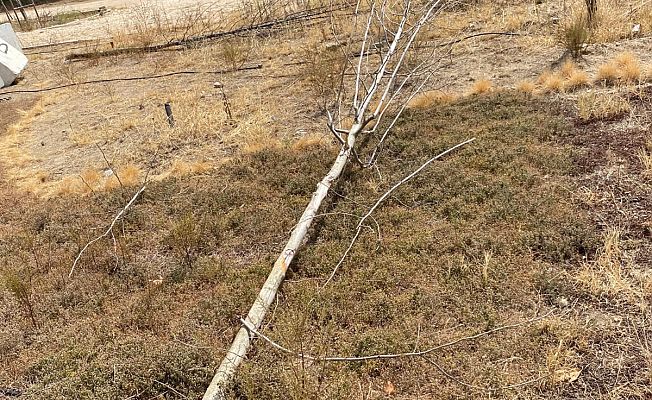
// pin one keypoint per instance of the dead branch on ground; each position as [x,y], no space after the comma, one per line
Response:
[300,16]
[419,353]
[383,198]
[109,230]
[379,84]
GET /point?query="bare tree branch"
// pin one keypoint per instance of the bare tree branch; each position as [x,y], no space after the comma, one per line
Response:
[367,86]
[109,230]
[383,198]
[419,353]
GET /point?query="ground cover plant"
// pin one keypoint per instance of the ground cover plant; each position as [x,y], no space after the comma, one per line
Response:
[535,236]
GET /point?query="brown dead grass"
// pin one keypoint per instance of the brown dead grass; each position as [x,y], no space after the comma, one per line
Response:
[601,106]
[432,97]
[553,84]
[481,86]
[607,73]
[161,302]
[577,79]
[624,68]
[526,87]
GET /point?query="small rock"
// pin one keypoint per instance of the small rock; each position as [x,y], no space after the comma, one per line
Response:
[636,30]
[562,301]
[10,392]
[218,85]
[334,45]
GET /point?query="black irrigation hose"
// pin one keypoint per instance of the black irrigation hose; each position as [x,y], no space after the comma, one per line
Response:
[136,78]
[477,35]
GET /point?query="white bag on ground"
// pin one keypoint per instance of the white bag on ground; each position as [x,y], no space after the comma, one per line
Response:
[12,60]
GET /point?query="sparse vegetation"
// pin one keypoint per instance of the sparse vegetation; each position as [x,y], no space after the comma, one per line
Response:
[430,98]
[545,212]
[577,79]
[607,73]
[601,106]
[526,87]
[575,36]
[554,83]
[646,159]
[481,86]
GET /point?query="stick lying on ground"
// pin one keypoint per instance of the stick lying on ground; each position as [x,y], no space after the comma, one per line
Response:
[134,78]
[277,346]
[383,198]
[109,230]
[378,80]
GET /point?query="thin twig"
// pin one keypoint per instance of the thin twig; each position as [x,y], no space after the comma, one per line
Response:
[421,353]
[109,230]
[482,388]
[172,389]
[383,197]
[108,163]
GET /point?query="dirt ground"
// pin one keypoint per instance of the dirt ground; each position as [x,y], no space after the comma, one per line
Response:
[121,14]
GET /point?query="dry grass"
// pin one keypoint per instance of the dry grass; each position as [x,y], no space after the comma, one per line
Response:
[130,175]
[577,79]
[526,87]
[624,68]
[207,241]
[645,157]
[606,274]
[568,68]
[544,76]
[192,254]
[91,178]
[607,73]
[308,141]
[601,106]
[553,84]
[149,24]
[629,67]
[432,97]
[481,86]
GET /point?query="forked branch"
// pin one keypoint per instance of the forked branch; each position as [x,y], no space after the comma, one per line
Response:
[379,84]
[109,230]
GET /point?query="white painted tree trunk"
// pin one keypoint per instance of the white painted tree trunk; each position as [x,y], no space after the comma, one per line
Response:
[242,341]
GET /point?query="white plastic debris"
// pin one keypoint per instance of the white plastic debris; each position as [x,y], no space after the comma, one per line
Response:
[12,59]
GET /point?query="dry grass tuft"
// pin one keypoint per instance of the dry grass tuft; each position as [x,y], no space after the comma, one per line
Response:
[646,73]
[130,175]
[576,79]
[630,67]
[624,68]
[482,86]
[601,106]
[554,83]
[526,87]
[606,274]
[70,185]
[91,178]
[608,73]
[306,142]
[545,75]
[568,68]
[431,98]
[183,168]
[645,157]
[111,183]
